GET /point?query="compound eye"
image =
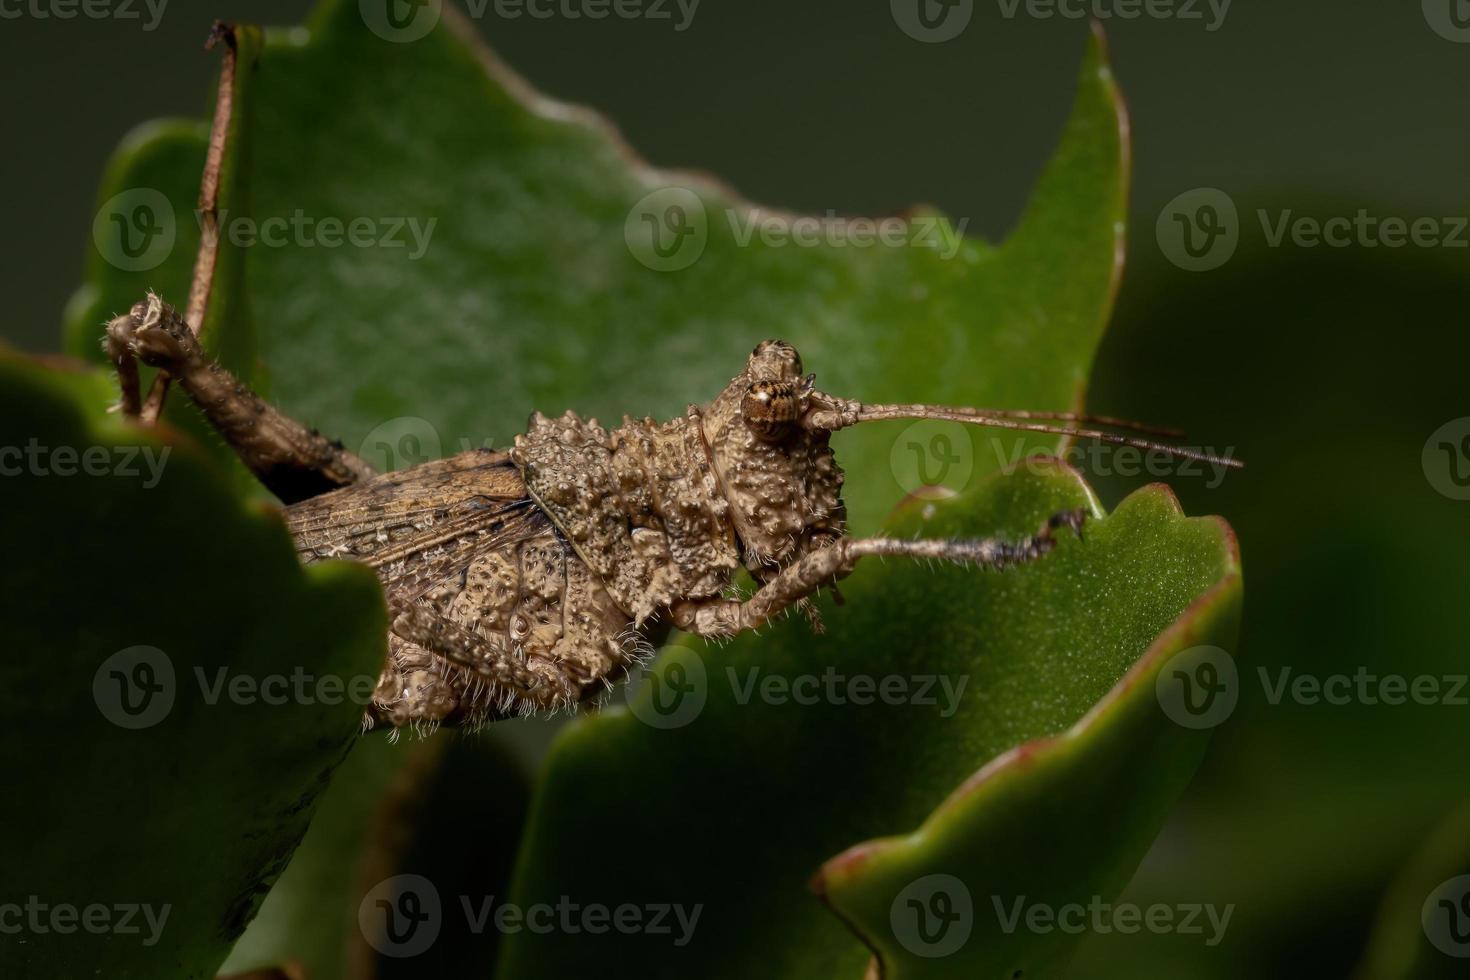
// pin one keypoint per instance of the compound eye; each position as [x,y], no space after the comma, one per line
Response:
[770,408]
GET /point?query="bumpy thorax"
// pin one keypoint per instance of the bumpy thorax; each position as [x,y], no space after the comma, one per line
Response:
[641,505]
[785,493]
[779,476]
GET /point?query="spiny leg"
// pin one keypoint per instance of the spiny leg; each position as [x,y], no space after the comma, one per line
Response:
[802,578]
[425,627]
[126,363]
[423,691]
[291,460]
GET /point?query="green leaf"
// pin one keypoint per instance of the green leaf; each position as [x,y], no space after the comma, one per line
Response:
[143,779]
[447,808]
[740,806]
[310,916]
[527,294]
[1058,823]
[1356,583]
[1420,932]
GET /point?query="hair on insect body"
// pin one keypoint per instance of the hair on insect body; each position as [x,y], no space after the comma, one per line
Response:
[530,580]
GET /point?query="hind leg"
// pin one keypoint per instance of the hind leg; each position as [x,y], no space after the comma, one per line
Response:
[441,672]
[291,460]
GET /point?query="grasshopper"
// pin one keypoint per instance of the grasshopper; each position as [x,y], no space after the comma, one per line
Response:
[531,580]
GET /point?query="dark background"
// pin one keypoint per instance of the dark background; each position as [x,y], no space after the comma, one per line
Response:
[823,105]
[1326,368]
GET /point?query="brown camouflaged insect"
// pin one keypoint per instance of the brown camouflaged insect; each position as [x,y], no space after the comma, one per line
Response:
[533,579]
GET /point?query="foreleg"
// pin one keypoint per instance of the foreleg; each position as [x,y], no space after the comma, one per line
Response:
[803,577]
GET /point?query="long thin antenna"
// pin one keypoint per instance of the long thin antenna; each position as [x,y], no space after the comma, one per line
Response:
[1108,420]
[874,413]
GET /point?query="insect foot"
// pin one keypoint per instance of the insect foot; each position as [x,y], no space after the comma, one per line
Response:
[1073,519]
[153,332]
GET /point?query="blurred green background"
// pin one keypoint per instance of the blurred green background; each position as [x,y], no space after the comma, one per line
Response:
[826,105]
[1327,368]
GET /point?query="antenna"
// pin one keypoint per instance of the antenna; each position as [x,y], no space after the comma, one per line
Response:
[857,412]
